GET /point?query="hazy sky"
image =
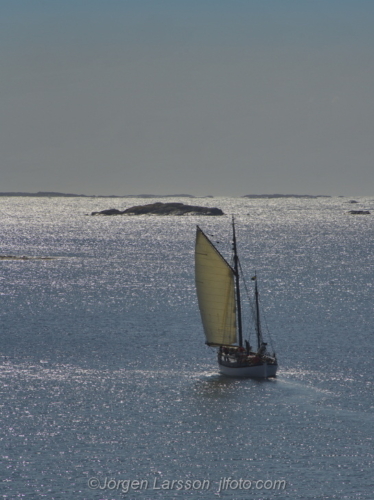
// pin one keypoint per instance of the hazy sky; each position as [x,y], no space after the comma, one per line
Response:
[203,97]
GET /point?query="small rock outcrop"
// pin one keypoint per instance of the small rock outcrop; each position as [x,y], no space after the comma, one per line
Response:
[359,212]
[110,211]
[163,209]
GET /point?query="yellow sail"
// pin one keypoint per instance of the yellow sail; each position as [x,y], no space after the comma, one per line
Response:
[215,292]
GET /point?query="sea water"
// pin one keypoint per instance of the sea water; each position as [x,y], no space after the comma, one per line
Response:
[107,388]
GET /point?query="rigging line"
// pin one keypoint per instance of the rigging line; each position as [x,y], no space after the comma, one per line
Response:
[264,321]
[246,288]
[267,328]
[251,304]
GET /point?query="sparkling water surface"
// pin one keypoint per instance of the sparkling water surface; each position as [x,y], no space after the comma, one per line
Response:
[104,371]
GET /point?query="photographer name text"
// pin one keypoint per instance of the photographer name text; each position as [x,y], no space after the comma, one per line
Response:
[224,484]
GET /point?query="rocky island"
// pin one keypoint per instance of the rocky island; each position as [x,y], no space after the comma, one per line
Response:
[163,209]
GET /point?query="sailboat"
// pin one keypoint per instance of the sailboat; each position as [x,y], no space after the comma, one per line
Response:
[218,293]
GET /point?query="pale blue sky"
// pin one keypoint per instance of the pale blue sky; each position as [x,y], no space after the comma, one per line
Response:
[201,97]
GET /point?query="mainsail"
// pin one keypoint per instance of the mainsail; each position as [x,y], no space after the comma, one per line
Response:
[215,292]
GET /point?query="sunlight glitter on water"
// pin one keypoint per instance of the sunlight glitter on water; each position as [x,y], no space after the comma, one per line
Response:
[104,368]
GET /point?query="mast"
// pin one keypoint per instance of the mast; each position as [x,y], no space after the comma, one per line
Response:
[258,324]
[236,274]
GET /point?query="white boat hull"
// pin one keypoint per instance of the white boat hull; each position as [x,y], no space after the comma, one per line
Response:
[258,371]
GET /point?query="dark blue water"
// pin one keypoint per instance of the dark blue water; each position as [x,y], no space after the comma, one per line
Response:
[105,378]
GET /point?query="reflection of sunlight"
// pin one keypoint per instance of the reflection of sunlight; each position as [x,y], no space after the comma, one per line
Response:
[223,387]
[309,375]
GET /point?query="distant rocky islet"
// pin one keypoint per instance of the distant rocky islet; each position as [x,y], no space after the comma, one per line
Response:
[359,212]
[163,209]
[56,194]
